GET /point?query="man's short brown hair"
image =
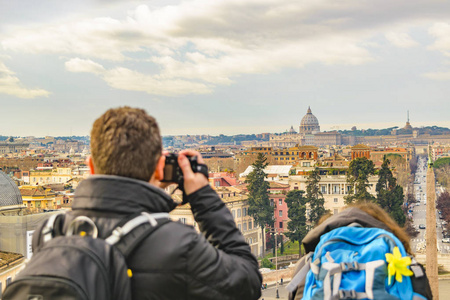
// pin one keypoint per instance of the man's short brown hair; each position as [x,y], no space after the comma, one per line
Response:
[126,142]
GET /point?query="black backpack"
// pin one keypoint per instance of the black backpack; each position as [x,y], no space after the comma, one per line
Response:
[76,265]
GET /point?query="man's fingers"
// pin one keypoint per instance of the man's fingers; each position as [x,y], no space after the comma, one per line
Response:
[192,181]
[193,153]
[185,167]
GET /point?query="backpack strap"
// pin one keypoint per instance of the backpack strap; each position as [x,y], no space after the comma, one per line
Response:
[131,234]
[333,275]
[53,227]
[301,275]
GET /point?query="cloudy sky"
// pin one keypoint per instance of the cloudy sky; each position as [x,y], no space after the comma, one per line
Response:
[223,66]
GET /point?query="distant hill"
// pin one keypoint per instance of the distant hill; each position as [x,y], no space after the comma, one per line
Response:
[432,130]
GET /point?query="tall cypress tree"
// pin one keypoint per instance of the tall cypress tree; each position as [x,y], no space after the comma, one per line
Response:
[297,215]
[390,194]
[358,174]
[314,197]
[258,199]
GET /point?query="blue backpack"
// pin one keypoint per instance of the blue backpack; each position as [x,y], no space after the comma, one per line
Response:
[350,263]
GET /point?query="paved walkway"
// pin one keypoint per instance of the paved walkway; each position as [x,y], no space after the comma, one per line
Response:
[270,292]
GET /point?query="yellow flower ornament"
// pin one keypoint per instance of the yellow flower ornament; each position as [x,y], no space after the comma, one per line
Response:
[398,265]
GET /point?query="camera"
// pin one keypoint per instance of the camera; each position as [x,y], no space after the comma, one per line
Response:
[173,173]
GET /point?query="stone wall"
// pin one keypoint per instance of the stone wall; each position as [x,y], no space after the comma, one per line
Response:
[272,277]
[443,260]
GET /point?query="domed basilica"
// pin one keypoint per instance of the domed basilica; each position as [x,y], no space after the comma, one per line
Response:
[10,198]
[309,124]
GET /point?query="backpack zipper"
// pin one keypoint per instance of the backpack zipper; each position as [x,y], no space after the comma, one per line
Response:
[95,258]
[319,254]
[52,279]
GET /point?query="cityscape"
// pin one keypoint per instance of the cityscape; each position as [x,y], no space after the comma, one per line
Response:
[39,176]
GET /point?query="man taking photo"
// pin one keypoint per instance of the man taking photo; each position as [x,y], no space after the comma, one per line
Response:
[174,262]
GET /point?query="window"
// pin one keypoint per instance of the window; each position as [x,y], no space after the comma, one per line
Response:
[307,164]
[280,201]
[271,202]
[239,212]
[335,211]
[244,211]
[280,213]
[239,227]
[182,220]
[245,226]
[8,280]
[233,212]
[335,200]
[281,224]
[335,189]
[295,187]
[250,225]
[323,189]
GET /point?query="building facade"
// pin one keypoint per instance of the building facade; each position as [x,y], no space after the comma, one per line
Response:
[236,202]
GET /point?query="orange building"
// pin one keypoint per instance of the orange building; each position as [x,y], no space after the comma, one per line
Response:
[360,150]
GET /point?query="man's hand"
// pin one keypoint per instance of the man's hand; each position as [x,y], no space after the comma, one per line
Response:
[192,181]
[160,184]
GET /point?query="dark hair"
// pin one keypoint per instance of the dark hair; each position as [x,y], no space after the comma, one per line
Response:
[126,142]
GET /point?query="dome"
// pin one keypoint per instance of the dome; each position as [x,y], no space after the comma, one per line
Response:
[309,124]
[9,192]
[309,119]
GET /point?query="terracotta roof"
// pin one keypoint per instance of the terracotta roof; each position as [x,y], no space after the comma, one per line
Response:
[361,146]
[37,191]
[307,148]
[274,185]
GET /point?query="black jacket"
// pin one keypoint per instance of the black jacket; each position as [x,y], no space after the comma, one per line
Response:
[174,262]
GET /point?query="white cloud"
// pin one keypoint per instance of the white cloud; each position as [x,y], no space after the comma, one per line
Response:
[438,75]
[401,39]
[441,32]
[11,85]
[199,44]
[78,65]
[126,79]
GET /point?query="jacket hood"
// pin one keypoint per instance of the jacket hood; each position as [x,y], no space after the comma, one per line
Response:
[344,218]
[120,194]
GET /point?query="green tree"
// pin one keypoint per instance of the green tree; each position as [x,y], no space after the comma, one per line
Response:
[266,263]
[258,198]
[314,197]
[390,194]
[359,171]
[281,244]
[297,214]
